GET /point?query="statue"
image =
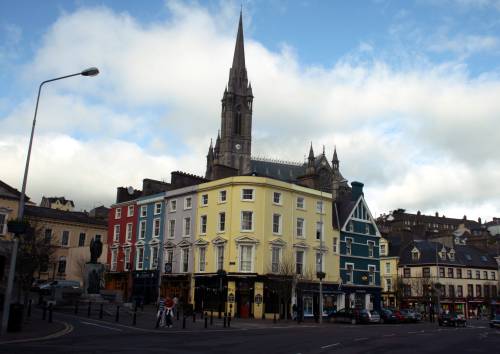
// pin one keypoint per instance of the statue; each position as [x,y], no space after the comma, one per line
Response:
[94,283]
[95,250]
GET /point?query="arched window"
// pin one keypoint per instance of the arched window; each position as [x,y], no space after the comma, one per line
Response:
[237,121]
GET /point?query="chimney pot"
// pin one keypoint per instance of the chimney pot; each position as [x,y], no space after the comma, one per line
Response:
[357,190]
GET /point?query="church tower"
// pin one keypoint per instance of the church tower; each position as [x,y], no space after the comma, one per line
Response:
[235,145]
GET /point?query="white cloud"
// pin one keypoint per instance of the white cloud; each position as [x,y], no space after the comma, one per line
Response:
[414,135]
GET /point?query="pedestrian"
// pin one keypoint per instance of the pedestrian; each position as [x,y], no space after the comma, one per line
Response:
[175,309]
[169,304]
[160,316]
[294,312]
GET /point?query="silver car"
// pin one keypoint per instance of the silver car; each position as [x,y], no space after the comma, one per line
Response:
[374,316]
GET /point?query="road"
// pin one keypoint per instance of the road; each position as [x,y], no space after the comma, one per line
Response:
[94,336]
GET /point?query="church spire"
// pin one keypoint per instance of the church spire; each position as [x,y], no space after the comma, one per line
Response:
[335,159]
[238,80]
[239,49]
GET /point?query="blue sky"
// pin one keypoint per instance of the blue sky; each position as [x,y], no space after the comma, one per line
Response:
[407,90]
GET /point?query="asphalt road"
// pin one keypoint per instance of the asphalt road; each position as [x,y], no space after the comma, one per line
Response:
[94,336]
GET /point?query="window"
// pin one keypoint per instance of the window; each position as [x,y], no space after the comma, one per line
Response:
[493,275]
[222,196]
[114,259]
[48,236]
[470,290]
[97,237]
[486,291]
[300,227]
[478,274]
[126,258]
[222,222]
[371,246]
[441,272]
[275,259]
[173,205]
[116,234]
[349,273]
[170,256]
[494,291]
[388,284]
[350,226]
[81,239]
[319,206]
[61,266]
[299,262]
[156,224]
[140,258]
[171,228]
[367,229]
[371,274]
[202,256]
[130,210]
[246,221]
[407,290]
[450,272]
[460,291]
[118,213]
[300,203]
[426,272]
[3,224]
[144,210]
[276,224]
[142,229]
[406,272]
[184,260]
[277,198]
[220,257]
[478,290]
[485,274]
[319,262]
[203,224]
[65,239]
[348,245]
[157,208]
[451,291]
[247,194]
[469,274]
[382,250]
[187,227]
[319,230]
[204,199]
[459,273]
[387,268]
[188,203]
[246,258]
[154,256]
[334,246]
[129,231]
[451,255]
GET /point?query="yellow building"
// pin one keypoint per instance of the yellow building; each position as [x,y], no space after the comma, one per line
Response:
[258,244]
[388,274]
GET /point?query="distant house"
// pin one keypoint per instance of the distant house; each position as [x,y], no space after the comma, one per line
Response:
[59,203]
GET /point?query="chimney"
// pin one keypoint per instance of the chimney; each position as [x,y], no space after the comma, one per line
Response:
[419,213]
[479,220]
[437,214]
[357,190]
[465,217]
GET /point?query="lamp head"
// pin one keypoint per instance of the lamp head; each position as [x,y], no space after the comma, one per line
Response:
[93,71]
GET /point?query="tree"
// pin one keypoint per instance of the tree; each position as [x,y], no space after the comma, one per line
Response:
[282,282]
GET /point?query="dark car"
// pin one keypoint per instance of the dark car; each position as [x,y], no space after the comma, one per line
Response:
[495,321]
[452,319]
[350,315]
[410,315]
[388,316]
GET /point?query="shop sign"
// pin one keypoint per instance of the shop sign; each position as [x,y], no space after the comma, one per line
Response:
[230,297]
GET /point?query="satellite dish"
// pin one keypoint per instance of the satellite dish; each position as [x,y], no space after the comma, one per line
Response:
[130,190]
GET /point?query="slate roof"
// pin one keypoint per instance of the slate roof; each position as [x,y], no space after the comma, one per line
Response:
[62,200]
[422,218]
[8,192]
[465,255]
[60,215]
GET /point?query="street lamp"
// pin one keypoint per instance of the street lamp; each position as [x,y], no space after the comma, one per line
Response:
[8,293]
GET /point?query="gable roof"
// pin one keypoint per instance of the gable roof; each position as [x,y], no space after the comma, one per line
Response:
[60,215]
[8,192]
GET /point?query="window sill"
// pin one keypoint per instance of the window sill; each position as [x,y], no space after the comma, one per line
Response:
[247,231]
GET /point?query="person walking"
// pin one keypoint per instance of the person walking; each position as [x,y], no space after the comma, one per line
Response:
[169,305]
[160,316]
[175,308]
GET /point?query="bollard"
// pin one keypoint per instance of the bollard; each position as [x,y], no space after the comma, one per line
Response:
[44,313]
[220,315]
[194,317]
[29,308]
[229,319]
[76,308]
[211,317]
[206,320]
[117,317]
[177,313]
[134,319]
[101,310]
[225,320]
[89,309]
[183,322]
[274,318]
[50,313]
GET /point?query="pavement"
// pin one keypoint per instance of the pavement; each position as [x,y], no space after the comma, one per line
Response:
[92,335]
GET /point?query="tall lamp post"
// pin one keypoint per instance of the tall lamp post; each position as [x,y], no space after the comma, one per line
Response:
[8,293]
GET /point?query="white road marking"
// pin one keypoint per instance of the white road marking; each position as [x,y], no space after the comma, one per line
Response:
[389,335]
[415,332]
[360,339]
[330,345]
[97,325]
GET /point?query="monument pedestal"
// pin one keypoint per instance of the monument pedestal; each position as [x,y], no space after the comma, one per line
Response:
[94,278]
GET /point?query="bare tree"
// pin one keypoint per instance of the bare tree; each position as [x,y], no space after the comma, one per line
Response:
[282,282]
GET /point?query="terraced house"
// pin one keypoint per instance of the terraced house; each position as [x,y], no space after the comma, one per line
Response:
[258,241]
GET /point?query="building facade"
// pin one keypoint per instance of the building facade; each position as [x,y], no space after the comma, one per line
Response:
[389,260]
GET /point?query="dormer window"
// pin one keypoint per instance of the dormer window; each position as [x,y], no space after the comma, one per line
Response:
[451,255]
[442,253]
[415,254]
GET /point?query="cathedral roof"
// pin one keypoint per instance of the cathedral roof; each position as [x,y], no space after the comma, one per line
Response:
[280,170]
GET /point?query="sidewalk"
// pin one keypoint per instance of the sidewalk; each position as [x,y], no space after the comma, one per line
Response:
[146,319]
[34,328]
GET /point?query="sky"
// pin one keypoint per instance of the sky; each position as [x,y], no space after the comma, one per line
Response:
[408,92]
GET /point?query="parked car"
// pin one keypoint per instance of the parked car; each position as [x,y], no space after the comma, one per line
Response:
[399,316]
[495,321]
[388,316]
[452,319]
[374,316]
[37,283]
[47,288]
[353,316]
[410,315]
